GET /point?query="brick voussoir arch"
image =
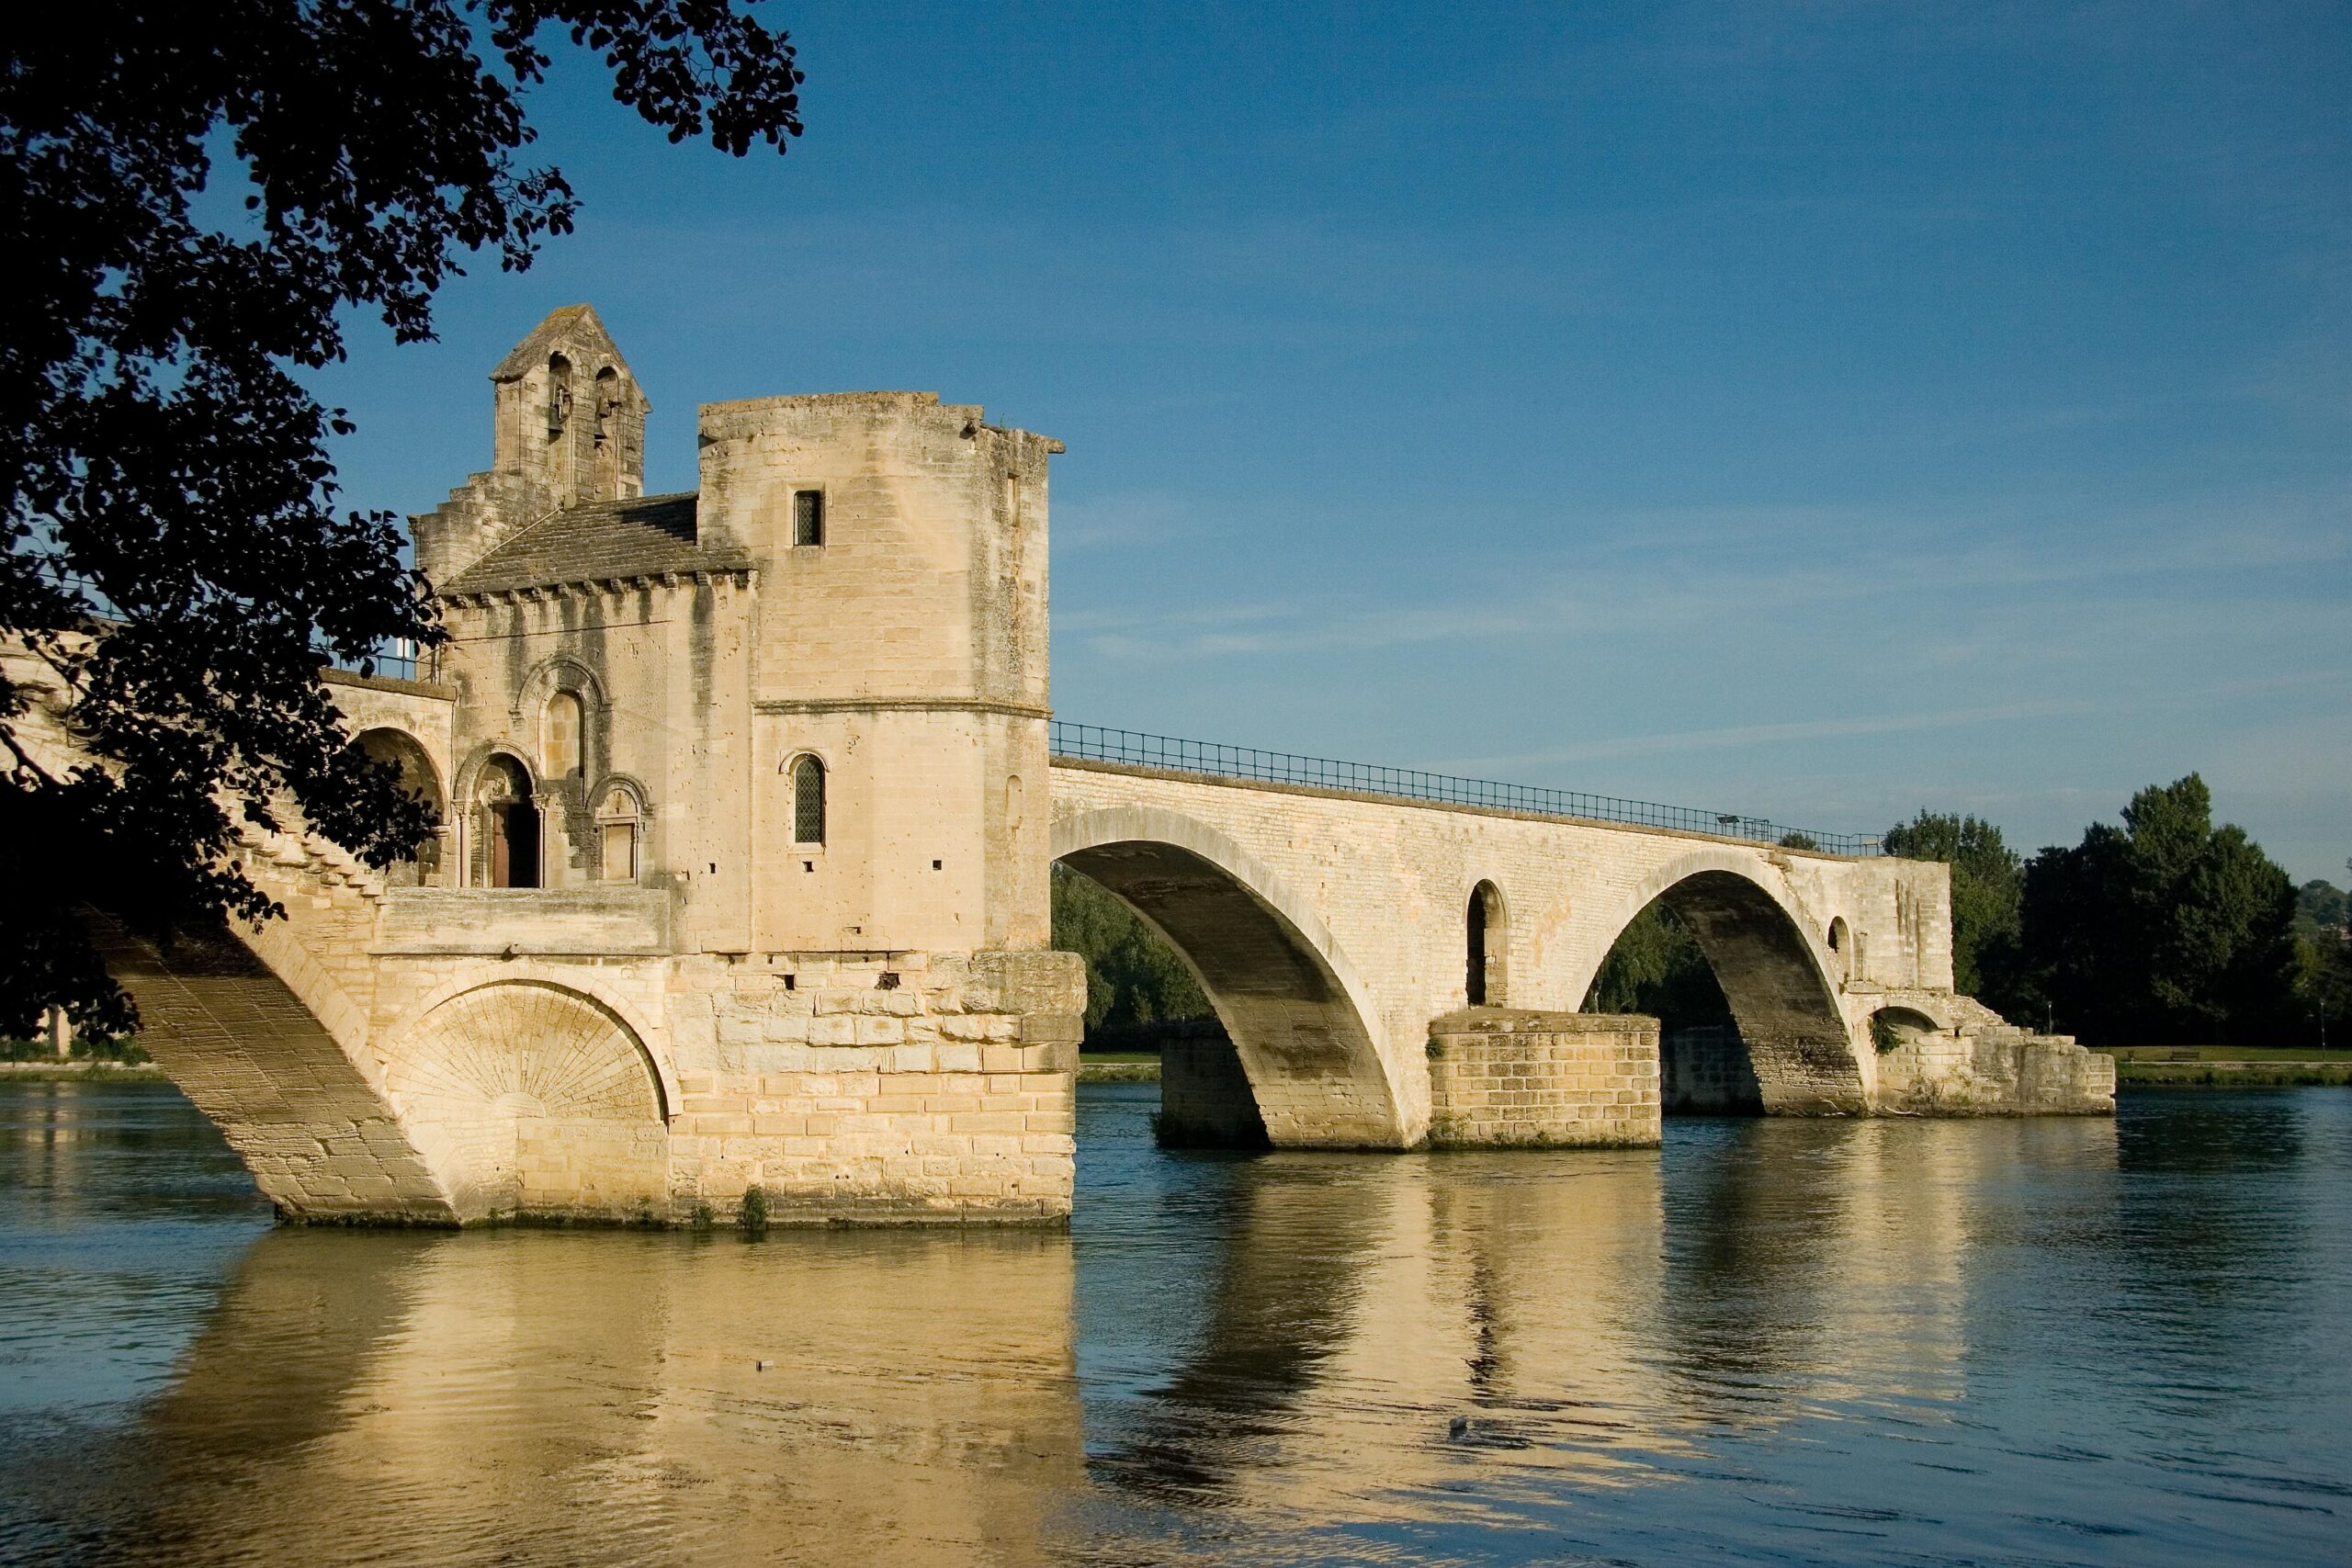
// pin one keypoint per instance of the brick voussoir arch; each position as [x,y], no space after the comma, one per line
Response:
[1774,970]
[1306,1026]
[647,1036]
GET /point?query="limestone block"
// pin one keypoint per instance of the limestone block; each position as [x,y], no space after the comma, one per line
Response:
[1504,1076]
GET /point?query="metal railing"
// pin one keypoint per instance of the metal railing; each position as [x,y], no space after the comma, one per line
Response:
[1087,742]
[399,658]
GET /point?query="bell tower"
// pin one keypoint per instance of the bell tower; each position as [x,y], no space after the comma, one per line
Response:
[570,415]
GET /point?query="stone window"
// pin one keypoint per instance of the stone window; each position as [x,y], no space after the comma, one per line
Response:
[808,517]
[559,737]
[619,830]
[1483,977]
[808,801]
[608,445]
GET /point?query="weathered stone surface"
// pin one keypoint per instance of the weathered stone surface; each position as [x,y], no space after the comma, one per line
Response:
[1980,1064]
[1511,1077]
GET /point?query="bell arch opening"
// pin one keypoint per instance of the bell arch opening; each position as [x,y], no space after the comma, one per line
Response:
[1303,1068]
[1750,1024]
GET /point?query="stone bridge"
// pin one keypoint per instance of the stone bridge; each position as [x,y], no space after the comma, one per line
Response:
[749,803]
[357,1053]
[1333,929]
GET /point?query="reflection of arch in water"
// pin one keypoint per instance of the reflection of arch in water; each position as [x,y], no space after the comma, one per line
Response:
[1302,1022]
[1777,981]
[398,749]
[652,1375]
[1275,1293]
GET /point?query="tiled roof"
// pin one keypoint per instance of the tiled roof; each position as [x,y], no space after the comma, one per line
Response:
[642,537]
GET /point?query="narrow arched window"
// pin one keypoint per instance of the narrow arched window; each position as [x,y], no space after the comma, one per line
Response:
[808,801]
[1483,976]
[619,827]
[559,737]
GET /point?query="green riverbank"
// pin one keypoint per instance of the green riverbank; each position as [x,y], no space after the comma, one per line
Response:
[77,1071]
[2228,1067]
[1118,1066]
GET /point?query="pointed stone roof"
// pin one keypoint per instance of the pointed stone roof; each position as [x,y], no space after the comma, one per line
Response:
[574,331]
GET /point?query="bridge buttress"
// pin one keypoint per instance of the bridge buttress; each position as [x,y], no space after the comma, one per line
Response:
[322,1142]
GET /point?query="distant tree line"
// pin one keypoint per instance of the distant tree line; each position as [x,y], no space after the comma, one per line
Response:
[1133,978]
[2166,929]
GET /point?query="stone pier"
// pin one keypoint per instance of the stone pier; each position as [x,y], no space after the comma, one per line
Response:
[1507,1078]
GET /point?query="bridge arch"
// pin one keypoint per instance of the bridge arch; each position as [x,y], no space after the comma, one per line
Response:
[392,746]
[1302,1020]
[527,1095]
[1776,976]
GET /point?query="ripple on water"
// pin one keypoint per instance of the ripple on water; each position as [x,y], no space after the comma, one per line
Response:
[1837,1342]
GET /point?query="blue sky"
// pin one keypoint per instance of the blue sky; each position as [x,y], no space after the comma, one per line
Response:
[1816,411]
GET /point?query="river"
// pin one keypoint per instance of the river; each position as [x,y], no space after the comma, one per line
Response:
[1840,1342]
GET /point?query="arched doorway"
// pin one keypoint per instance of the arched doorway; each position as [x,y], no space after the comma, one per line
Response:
[399,748]
[1749,1022]
[1304,1049]
[508,828]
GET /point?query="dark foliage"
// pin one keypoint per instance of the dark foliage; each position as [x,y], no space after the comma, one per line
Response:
[1987,883]
[2321,906]
[2165,931]
[2323,963]
[1656,967]
[163,477]
[1133,977]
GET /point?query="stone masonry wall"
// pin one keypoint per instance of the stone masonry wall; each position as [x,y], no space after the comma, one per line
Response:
[1704,1071]
[1205,1097]
[883,1087]
[1984,1065]
[1505,1077]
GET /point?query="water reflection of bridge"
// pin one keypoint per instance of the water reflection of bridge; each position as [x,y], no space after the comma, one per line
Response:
[1362,1336]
